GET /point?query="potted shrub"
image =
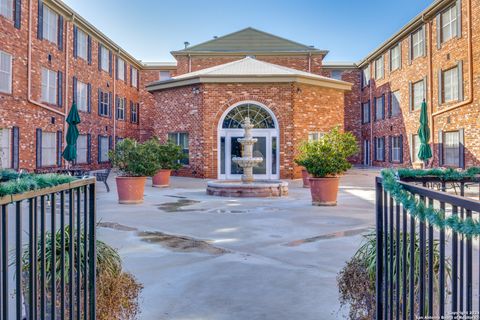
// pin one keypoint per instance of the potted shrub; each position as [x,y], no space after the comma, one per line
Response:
[136,161]
[169,157]
[325,160]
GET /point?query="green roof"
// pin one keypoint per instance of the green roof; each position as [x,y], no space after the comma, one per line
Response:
[249,40]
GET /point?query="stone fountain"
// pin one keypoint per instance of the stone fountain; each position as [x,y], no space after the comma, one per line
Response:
[247,186]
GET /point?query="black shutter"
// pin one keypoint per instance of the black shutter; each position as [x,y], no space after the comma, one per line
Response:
[131,111]
[389,104]
[18,13]
[60,33]
[390,150]
[131,73]
[138,113]
[75,41]
[38,149]
[461,156]
[116,68]
[383,106]
[110,104]
[125,67]
[40,20]
[440,148]
[110,143]
[375,148]
[89,148]
[362,80]
[89,98]
[110,62]
[89,50]
[99,57]
[60,88]
[138,80]
[410,143]
[401,148]
[74,85]
[15,148]
[59,147]
[375,109]
[363,112]
[117,106]
[99,148]
[99,100]
[384,147]
[439,32]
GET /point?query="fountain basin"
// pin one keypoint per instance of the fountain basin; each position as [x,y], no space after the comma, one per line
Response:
[256,189]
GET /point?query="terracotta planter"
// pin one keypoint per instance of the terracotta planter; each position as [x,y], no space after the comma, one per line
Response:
[305,177]
[161,179]
[130,189]
[324,191]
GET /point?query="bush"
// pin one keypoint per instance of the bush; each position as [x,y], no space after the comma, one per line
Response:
[328,157]
[135,159]
[170,155]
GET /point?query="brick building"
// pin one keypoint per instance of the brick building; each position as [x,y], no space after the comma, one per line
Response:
[50,56]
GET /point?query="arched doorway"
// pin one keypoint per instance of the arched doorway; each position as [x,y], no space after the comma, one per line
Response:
[265,130]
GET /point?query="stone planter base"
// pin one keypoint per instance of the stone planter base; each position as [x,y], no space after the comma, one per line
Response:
[257,189]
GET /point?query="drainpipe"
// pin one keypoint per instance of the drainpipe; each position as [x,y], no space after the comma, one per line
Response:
[29,64]
[371,114]
[309,62]
[114,72]
[430,82]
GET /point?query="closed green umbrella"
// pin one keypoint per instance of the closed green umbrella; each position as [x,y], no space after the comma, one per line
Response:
[425,151]
[73,119]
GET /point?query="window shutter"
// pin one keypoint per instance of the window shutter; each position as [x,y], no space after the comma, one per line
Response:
[110,62]
[40,20]
[410,95]
[75,40]
[38,151]
[461,156]
[424,33]
[110,104]
[110,143]
[362,77]
[89,98]
[117,106]
[138,113]
[459,18]
[99,100]
[440,148]
[410,144]
[116,68]
[125,67]
[375,148]
[384,147]
[74,85]
[99,148]
[15,148]
[460,80]
[138,79]
[401,148]
[131,111]
[425,88]
[363,112]
[18,14]
[89,49]
[60,88]
[390,155]
[440,87]
[89,148]
[59,147]
[131,78]
[99,57]
[410,49]
[439,31]
[60,33]
[400,54]
[374,109]
[383,104]
[389,104]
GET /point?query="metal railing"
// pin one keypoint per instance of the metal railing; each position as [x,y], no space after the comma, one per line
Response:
[48,253]
[424,272]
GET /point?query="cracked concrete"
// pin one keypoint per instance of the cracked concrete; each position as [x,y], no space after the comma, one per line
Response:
[212,258]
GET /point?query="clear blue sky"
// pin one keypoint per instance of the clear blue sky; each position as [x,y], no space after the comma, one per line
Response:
[149,29]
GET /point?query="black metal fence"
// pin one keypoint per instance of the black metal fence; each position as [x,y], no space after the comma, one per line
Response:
[424,272]
[48,253]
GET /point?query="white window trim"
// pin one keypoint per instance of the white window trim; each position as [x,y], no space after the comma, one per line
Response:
[392,97]
[416,106]
[50,25]
[5,148]
[6,9]
[134,77]
[121,69]
[105,56]
[49,86]
[453,93]
[82,96]
[121,107]
[398,57]
[82,44]
[49,159]
[380,68]
[9,73]
[377,100]
[104,151]
[420,43]
[451,24]
[396,149]
[82,149]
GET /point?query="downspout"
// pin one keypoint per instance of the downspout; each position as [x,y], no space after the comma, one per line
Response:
[309,62]
[67,109]
[430,83]
[114,107]
[371,114]
[29,64]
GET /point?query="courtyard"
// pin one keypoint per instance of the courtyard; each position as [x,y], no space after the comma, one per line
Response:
[203,257]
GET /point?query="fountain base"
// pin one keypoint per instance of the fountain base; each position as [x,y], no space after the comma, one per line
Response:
[256,189]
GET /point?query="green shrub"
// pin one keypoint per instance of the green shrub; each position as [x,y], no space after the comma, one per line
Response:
[170,155]
[328,157]
[15,183]
[136,159]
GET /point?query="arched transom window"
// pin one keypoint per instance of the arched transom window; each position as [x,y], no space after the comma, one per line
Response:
[259,117]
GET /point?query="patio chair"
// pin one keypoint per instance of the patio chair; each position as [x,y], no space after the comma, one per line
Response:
[102,176]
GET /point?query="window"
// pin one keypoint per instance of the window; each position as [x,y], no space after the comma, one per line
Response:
[336,74]
[418,43]
[451,149]
[415,148]
[450,87]
[379,68]
[366,112]
[262,119]
[5,72]
[50,25]
[448,22]
[134,112]
[104,103]
[418,94]
[82,149]
[396,149]
[5,148]
[49,149]
[82,44]
[121,69]
[395,103]
[82,96]
[379,108]
[103,147]
[380,149]
[396,57]
[121,103]
[6,9]
[165,75]
[49,86]
[105,56]
[315,136]
[365,76]
[134,77]
[181,139]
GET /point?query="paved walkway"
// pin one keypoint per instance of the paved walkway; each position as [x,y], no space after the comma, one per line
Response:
[211,258]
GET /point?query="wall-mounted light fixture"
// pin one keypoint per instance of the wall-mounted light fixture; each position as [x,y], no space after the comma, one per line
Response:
[195,90]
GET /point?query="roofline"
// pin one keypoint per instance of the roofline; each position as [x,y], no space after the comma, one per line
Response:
[411,26]
[77,19]
[159,65]
[258,53]
[324,82]
[339,65]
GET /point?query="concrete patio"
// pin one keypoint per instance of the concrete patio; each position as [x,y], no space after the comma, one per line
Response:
[202,257]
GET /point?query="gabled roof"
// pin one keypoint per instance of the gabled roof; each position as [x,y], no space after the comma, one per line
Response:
[249,70]
[249,40]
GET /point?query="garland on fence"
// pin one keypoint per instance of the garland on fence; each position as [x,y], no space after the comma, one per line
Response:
[12,182]
[468,226]
[443,174]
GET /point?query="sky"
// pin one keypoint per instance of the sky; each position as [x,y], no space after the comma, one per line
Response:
[149,30]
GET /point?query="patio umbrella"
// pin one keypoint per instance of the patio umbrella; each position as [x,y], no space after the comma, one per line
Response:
[73,119]
[425,151]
